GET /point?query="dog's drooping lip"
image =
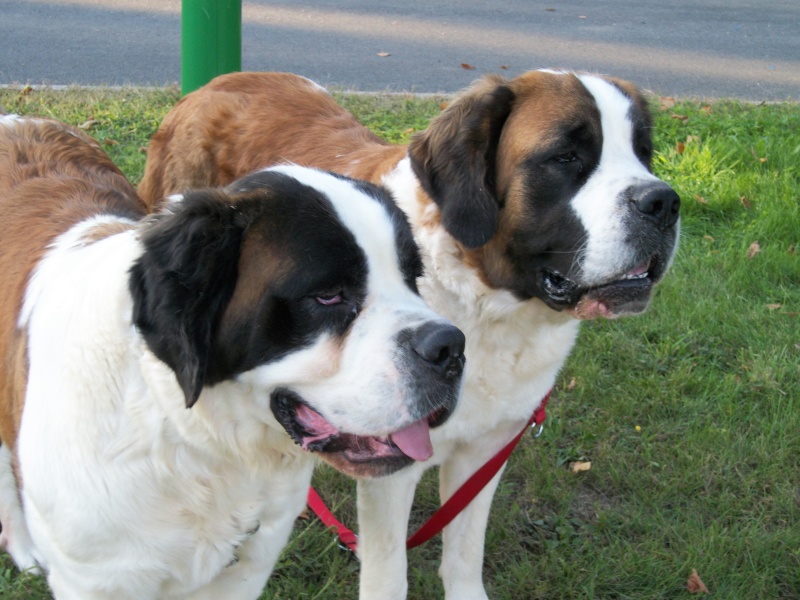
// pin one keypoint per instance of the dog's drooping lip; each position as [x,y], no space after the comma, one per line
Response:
[625,295]
[310,430]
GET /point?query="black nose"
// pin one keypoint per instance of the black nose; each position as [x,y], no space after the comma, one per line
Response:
[441,345]
[657,202]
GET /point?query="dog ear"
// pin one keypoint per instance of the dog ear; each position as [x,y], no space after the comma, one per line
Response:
[182,282]
[454,160]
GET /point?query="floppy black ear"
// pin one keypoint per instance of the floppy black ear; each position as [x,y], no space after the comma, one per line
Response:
[454,160]
[183,281]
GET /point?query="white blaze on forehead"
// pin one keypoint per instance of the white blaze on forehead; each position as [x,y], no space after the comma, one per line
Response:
[365,217]
[615,119]
[600,204]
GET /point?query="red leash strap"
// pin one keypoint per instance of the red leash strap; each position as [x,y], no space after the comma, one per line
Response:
[450,509]
[346,535]
[473,486]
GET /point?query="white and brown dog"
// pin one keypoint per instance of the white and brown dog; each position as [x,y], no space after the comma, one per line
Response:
[534,205]
[164,377]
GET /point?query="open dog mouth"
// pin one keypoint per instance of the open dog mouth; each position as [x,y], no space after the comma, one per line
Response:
[314,433]
[628,295]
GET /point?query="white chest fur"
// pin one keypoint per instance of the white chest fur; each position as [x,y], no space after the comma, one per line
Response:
[136,489]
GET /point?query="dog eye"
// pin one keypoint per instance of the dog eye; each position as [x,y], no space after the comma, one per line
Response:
[329,300]
[566,157]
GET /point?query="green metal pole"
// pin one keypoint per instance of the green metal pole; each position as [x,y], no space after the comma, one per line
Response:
[211,40]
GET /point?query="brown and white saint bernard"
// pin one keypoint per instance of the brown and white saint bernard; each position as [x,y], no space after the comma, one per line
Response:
[534,205]
[163,377]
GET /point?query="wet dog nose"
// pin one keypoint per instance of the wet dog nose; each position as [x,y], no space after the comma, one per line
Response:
[657,202]
[441,345]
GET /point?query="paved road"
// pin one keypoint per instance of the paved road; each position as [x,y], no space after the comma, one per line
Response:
[709,48]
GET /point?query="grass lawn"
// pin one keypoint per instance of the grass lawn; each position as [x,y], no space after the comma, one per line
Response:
[689,415]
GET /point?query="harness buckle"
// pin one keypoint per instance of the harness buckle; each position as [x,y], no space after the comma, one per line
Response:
[348,544]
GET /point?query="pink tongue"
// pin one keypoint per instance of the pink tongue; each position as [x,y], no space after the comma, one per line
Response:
[414,440]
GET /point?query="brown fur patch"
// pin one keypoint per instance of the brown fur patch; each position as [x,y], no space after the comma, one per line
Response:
[13,383]
[259,266]
[243,122]
[544,107]
[52,176]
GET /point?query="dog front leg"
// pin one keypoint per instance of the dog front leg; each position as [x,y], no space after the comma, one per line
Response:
[15,538]
[384,506]
[242,581]
[463,539]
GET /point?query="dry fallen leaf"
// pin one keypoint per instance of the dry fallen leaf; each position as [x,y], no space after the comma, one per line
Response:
[304,515]
[695,585]
[666,102]
[579,466]
[681,118]
[774,306]
[754,249]
[709,238]
[26,90]
[706,109]
[383,54]
[680,147]
[572,383]
[443,104]
[700,199]
[88,124]
[467,66]
[692,138]
[110,142]
[792,249]
[746,202]
[756,156]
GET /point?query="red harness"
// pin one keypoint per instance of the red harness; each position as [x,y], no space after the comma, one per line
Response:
[450,509]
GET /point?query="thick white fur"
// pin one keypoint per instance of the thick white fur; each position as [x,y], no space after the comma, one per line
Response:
[514,352]
[127,494]
[109,419]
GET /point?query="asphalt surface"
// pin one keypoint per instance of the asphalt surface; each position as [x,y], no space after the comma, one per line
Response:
[746,49]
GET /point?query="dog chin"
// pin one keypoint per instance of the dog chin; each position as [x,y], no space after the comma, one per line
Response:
[623,298]
[369,469]
[629,295]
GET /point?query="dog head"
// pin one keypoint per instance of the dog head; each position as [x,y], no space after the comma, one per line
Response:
[299,286]
[545,182]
